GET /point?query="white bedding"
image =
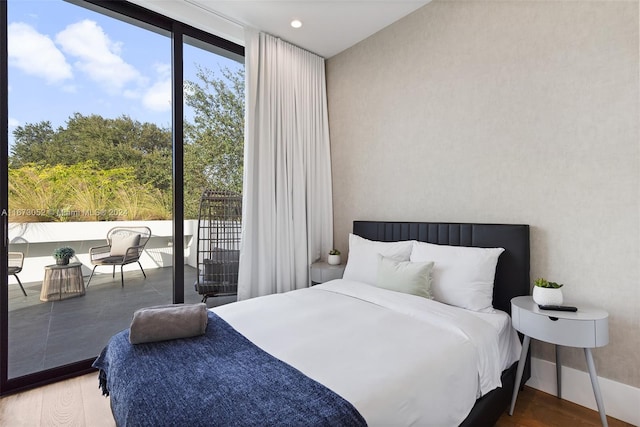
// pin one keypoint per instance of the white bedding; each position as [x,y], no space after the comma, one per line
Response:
[398,358]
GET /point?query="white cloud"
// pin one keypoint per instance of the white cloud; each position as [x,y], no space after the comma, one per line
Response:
[36,54]
[91,52]
[13,122]
[158,96]
[70,88]
[97,55]
[163,70]
[132,94]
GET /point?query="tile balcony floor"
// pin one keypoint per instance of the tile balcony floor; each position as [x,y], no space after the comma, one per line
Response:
[44,335]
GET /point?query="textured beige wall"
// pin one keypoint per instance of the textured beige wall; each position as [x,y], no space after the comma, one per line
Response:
[506,112]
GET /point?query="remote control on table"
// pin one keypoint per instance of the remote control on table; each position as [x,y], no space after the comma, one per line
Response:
[558,307]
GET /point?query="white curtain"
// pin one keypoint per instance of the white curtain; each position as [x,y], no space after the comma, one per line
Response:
[287,201]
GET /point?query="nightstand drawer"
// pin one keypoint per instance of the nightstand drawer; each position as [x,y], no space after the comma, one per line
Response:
[562,331]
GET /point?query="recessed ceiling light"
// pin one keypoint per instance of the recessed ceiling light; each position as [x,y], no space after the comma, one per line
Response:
[296,23]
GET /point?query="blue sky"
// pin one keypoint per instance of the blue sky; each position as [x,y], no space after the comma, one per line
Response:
[65,59]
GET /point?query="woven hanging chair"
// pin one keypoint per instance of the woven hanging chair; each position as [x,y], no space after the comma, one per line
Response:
[218,244]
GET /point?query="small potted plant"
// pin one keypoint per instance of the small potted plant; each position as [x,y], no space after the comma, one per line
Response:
[334,257]
[63,254]
[547,293]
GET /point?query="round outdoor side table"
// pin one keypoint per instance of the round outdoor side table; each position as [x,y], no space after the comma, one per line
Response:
[62,282]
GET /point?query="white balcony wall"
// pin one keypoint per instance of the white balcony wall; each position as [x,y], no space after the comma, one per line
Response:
[38,240]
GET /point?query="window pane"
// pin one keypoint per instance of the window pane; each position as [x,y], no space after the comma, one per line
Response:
[213,161]
[89,150]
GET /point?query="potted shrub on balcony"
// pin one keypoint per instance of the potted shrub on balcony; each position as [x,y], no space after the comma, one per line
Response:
[547,293]
[63,254]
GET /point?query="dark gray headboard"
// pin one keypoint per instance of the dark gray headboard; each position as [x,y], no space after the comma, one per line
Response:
[512,272]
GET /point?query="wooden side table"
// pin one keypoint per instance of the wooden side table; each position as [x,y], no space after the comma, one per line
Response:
[587,328]
[62,282]
[321,272]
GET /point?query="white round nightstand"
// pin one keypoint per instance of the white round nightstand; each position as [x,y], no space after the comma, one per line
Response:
[586,328]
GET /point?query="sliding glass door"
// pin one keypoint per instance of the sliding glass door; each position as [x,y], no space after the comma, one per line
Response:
[89,150]
[213,170]
[99,137]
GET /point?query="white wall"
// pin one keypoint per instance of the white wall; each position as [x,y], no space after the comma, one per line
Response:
[38,240]
[505,112]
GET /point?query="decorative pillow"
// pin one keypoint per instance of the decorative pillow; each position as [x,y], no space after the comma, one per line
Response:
[404,276]
[462,276]
[120,244]
[362,264]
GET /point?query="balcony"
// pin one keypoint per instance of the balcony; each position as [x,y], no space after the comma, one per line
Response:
[44,335]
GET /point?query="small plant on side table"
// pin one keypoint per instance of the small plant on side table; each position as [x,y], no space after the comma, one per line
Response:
[547,293]
[63,254]
[334,257]
[544,283]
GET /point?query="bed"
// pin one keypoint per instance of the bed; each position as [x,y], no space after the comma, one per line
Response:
[340,353]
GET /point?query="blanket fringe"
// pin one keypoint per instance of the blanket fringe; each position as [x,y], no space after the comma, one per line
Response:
[102,383]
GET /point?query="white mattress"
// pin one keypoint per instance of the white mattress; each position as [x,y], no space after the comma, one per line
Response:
[397,358]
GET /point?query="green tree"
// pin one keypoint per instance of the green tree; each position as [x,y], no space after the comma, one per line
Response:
[214,142]
[213,150]
[110,143]
[33,143]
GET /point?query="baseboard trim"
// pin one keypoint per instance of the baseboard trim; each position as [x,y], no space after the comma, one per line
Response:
[621,401]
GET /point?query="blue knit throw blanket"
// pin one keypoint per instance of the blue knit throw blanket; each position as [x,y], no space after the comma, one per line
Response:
[217,379]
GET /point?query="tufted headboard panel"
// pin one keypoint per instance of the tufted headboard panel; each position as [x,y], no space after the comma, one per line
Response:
[512,271]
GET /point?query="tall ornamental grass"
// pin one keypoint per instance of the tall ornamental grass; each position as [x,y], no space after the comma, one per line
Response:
[82,192]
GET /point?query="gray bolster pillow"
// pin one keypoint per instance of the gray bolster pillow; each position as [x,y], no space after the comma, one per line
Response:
[167,322]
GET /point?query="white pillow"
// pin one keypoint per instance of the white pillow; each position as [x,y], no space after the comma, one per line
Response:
[462,276]
[120,244]
[362,264]
[405,276]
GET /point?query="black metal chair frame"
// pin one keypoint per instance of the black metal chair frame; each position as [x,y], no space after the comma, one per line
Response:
[101,255]
[16,260]
[218,244]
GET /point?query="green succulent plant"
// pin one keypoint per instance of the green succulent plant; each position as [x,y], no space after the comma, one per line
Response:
[64,252]
[543,283]
[334,252]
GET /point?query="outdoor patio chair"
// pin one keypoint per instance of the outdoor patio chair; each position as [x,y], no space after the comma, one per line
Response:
[124,246]
[15,266]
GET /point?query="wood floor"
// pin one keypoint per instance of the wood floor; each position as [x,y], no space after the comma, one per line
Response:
[535,408]
[78,402]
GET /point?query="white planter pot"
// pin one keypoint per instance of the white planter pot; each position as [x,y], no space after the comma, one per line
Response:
[333,259]
[547,296]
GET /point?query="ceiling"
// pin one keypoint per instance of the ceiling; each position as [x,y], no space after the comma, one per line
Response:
[329,26]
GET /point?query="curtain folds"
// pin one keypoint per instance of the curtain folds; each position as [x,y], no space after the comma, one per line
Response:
[287,199]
